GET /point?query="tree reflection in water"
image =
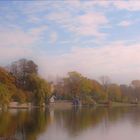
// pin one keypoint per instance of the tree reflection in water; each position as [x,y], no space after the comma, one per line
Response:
[23,125]
[28,125]
[77,120]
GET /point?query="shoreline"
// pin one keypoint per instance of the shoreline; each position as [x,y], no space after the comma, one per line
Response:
[66,105]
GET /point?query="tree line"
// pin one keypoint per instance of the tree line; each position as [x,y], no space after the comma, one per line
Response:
[90,91]
[21,82]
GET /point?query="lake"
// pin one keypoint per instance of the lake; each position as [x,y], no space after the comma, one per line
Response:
[100,123]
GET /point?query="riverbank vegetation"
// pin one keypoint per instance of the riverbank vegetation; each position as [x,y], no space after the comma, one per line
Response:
[90,91]
[21,82]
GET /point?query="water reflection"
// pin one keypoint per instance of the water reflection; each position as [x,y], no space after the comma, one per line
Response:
[75,123]
[23,125]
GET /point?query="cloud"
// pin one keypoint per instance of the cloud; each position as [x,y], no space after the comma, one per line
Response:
[38,30]
[18,37]
[117,60]
[125,23]
[16,43]
[129,5]
[15,37]
[87,24]
[53,37]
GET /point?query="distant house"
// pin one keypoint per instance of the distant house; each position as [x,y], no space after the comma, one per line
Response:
[52,99]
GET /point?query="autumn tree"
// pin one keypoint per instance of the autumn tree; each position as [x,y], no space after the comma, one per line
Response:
[135,84]
[7,86]
[41,89]
[76,85]
[73,83]
[126,92]
[27,79]
[98,93]
[114,92]
[5,95]
[105,81]
[21,69]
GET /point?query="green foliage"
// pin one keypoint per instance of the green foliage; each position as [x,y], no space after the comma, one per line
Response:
[7,79]
[23,122]
[19,96]
[4,95]
[89,91]
[9,91]
[76,85]
[40,88]
[73,83]
[114,92]
[23,84]
[86,86]
[87,100]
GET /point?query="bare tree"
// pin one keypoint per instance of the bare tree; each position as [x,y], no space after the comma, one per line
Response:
[105,81]
[21,69]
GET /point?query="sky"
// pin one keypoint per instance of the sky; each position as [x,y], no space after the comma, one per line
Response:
[93,37]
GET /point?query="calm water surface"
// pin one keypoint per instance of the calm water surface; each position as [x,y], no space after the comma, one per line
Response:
[72,124]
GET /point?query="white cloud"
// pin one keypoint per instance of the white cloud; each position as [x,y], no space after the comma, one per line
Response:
[53,37]
[125,23]
[87,24]
[11,37]
[130,5]
[16,43]
[90,23]
[38,31]
[15,37]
